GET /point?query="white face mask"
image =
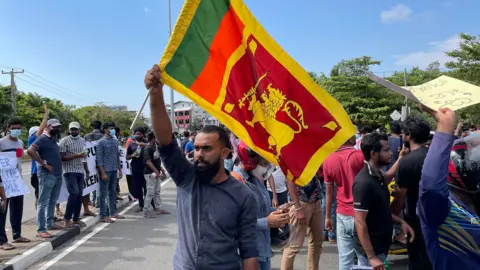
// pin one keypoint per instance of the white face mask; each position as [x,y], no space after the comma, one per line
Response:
[259,172]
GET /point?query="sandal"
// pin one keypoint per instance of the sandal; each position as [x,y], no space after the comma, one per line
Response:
[89,214]
[68,224]
[21,239]
[7,246]
[56,219]
[44,235]
[107,220]
[80,223]
[118,217]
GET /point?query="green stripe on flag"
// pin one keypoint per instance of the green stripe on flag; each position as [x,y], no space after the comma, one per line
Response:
[193,52]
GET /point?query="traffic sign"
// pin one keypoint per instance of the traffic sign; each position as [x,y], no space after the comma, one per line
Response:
[395,115]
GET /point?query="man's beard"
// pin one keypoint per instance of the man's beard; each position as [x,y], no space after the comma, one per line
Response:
[205,174]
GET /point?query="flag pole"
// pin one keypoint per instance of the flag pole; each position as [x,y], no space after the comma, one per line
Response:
[140,111]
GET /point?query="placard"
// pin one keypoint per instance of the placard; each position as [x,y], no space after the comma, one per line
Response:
[12,179]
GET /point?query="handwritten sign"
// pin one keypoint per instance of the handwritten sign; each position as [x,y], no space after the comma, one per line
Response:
[11,177]
[446,92]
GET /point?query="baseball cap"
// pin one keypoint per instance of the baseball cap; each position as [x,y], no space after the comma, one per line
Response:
[53,122]
[74,125]
[33,130]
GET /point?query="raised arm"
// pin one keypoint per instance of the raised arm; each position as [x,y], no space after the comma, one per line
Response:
[43,125]
[433,203]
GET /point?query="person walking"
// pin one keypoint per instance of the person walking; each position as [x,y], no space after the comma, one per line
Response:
[153,172]
[74,163]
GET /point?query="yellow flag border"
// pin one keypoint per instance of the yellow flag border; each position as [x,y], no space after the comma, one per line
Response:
[253,26]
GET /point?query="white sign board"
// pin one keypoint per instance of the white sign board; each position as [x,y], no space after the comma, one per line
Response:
[395,115]
[11,177]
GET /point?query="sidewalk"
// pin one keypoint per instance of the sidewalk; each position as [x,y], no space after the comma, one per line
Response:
[29,230]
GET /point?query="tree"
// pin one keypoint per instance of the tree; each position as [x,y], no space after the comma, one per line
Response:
[5,107]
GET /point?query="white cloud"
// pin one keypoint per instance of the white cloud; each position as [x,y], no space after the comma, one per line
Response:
[398,13]
[145,9]
[436,52]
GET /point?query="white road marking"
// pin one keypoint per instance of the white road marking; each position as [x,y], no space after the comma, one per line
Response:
[88,236]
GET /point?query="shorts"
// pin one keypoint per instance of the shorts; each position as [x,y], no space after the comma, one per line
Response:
[34,182]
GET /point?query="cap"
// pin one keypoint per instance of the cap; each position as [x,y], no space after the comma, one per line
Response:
[33,130]
[74,125]
[53,122]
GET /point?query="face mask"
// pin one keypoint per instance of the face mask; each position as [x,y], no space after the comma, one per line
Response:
[54,132]
[74,135]
[205,174]
[357,136]
[259,172]
[15,133]
[134,137]
[113,132]
[471,133]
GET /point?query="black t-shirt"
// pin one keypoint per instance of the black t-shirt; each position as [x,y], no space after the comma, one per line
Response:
[150,152]
[408,176]
[136,163]
[370,194]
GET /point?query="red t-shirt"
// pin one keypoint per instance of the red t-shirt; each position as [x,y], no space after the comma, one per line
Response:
[129,141]
[341,168]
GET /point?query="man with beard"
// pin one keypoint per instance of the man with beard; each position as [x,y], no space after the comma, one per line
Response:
[449,201]
[209,200]
[371,201]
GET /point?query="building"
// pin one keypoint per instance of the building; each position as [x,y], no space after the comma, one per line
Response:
[188,115]
[118,108]
[211,121]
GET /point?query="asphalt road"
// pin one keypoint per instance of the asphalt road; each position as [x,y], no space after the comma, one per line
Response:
[139,243]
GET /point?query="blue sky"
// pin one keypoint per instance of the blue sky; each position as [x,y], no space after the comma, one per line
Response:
[99,50]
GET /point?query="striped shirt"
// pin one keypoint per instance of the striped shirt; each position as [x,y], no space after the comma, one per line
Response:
[70,146]
[108,154]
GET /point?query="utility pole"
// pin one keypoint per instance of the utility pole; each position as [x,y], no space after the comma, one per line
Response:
[172,101]
[12,87]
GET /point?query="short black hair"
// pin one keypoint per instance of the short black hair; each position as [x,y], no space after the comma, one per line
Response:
[150,135]
[366,129]
[396,127]
[14,121]
[117,130]
[95,124]
[371,143]
[139,129]
[417,128]
[175,133]
[186,134]
[108,125]
[222,134]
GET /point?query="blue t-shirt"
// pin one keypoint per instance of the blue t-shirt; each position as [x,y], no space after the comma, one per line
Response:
[49,150]
[34,163]
[395,144]
[451,231]
[189,147]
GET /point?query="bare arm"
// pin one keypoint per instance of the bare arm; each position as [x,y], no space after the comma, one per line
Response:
[151,167]
[329,199]
[250,264]
[362,231]
[32,152]
[292,191]
[43,125]
[161,125]
[72,157]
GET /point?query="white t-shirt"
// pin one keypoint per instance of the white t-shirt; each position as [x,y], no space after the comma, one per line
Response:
[279,178]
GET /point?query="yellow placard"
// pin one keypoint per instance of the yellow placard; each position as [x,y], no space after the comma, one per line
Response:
[446,92]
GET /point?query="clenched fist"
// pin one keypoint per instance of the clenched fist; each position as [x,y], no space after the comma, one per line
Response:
[152,79]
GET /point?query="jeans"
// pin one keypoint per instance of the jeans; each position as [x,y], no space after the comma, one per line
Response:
[94,197]
[109,187]
[312,228]
[49,190]
[16,214]
[74,182]
[345,241]
[153,193]
[363,259]
[264,265]
[333,214]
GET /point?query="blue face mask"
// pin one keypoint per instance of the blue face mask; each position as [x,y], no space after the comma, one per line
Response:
[134,137]
[15,133]
[113,132]
[472,133]
[357,136]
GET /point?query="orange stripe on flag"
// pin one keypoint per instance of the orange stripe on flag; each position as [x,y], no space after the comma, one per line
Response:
[226,41]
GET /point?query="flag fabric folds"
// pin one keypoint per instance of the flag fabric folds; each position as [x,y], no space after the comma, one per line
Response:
[222,59]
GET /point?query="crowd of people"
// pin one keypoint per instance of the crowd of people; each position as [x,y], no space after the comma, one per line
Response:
[225,206]
[57,160]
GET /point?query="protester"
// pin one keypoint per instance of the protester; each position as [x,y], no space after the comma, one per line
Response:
[119,177]
[93,136]
[449,204]
[46,152]
[280,198]
[373,217]
[250,167]
[135,155]
[185,140]
[75,169]
[177,138]
[153,171]
[108,163]
[364,131]
[305,215]
[415,132]
[189,147]
[207,196]
[12,143]
[395,142]
[339,170]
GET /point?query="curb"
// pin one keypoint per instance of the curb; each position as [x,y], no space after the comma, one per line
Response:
[38,252]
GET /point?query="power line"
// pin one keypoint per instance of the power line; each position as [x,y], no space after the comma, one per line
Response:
[47,85]
[51,90]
